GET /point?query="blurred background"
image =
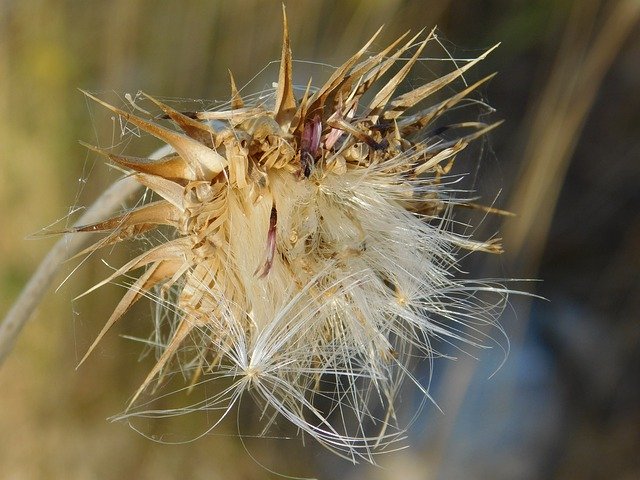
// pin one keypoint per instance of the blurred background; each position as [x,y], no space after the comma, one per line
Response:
[564,404]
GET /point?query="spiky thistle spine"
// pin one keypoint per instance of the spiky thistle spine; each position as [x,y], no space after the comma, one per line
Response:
[310,243]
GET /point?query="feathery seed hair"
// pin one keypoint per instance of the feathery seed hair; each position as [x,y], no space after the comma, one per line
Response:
[311,257]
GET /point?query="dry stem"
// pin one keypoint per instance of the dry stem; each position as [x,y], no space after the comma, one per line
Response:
[66,247]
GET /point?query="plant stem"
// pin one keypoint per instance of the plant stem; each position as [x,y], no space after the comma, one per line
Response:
[66,247]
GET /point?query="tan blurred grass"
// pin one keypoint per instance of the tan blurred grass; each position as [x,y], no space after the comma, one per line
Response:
[590,45]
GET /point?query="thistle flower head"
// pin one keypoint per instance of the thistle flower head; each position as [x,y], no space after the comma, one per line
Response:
[310,256]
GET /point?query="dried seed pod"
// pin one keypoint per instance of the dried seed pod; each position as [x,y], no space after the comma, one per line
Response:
[309,246]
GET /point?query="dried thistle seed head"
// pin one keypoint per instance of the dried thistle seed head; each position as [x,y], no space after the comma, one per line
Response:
[310,259]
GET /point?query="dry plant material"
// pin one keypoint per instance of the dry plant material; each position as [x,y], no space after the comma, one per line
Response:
[311,255]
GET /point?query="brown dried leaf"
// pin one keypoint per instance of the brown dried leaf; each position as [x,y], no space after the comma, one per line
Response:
[199,131]
[285,101]
[172,250]
[417,122]
[129,225]
[467,138]
[360,70]
[155,274]
[236,99]
[183,330]
[169,190]
[318,99]
[157,213]
[207,162]
[400,104]
[385,93]
[440,157]
[172,166]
